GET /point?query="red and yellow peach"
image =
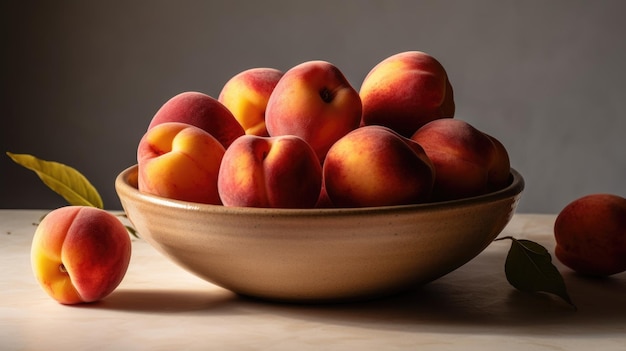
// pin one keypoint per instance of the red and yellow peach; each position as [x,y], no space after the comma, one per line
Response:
[246,95]
[179,161]
[467,161]
[375,166]
[314,101]
[202,111]
[80,254]
[276,172]
[406,91]
[590,234]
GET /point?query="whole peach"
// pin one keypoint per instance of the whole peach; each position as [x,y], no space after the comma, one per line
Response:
[80,254]
[277,172]
[467,161]
[179,161]
[375,166]
[246,95]
[314,101]
[202,111]
[590,235]
[406,91]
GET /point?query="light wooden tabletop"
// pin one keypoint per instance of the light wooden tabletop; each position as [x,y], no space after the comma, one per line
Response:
[161,306]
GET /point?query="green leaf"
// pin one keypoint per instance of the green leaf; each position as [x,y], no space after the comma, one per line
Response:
[529,268]
[64,180]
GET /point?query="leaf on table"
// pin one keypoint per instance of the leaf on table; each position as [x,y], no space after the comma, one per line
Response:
[529,268]
[64,180]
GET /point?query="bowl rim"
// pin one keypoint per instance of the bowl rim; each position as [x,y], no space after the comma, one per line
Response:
[125,189]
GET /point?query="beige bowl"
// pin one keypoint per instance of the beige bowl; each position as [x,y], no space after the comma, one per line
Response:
[319,255]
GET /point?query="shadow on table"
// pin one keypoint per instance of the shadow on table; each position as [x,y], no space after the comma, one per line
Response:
[432,308]
[163,301]
[488,306]
[476,303]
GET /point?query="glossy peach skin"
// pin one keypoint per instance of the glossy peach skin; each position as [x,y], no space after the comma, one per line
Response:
[246,95]
[179,161]
[314,101]
[375,166]
[275,172]
[80,254]
[467,161]
[590,234]
[202,111]
[406,91]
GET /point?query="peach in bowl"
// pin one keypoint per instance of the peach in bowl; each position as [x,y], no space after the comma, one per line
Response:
[324,254]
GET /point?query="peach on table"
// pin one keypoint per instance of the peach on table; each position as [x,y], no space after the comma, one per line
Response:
[80,254]
[590,234]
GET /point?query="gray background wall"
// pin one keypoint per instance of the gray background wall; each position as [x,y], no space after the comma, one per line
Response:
[81,79]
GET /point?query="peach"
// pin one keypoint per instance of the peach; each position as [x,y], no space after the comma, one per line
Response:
[202,111]
[375,166]
[80,254]
[499,166]
[277,172]
[406,91]
[246,95]
[314,101]
[179,161]
[467,161]
[590,235]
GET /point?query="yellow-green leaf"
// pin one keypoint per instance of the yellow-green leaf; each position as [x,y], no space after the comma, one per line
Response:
[64,180]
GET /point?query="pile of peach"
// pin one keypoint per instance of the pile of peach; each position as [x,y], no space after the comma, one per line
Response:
[306,138]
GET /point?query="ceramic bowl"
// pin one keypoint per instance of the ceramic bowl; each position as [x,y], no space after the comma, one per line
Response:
[319,255]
